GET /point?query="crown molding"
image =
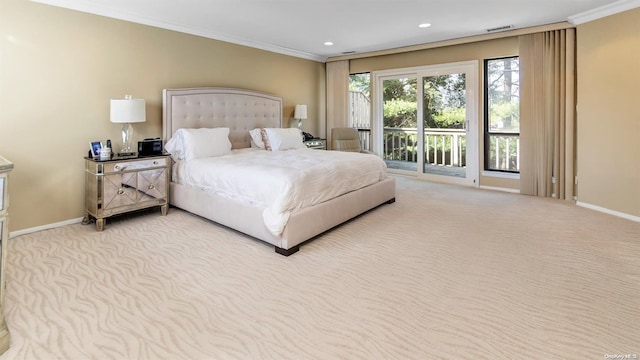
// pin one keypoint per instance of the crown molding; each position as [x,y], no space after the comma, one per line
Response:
[603,11]
[92,8]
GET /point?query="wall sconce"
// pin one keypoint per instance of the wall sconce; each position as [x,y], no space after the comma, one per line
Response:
[127,111]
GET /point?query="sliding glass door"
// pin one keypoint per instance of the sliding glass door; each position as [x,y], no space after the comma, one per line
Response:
[426,119]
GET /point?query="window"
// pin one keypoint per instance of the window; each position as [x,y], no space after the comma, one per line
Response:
[502,114]
[360,107]
[359,100]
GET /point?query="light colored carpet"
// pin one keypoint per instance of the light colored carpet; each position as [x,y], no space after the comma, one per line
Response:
[444,273]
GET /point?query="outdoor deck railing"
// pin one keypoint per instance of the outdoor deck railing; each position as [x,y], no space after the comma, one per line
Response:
[444,147]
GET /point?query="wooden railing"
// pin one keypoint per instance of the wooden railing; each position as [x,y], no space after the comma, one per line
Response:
[445,147]
[504,153]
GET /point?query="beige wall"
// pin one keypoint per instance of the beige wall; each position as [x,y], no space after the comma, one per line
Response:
[608,128]
[472,51]
[59,68]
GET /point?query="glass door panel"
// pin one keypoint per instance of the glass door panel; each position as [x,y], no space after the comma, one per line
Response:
[444,124]
[400,118]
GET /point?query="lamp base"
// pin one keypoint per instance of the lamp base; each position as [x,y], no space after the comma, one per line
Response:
[127,132]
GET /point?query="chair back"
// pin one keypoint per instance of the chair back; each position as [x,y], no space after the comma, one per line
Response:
[345,139]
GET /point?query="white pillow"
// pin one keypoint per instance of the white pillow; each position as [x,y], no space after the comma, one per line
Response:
[284,139]
[174,146]
[187,144]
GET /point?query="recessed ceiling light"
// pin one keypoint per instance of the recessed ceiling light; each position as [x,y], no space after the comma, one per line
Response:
[328,43]
[424,25]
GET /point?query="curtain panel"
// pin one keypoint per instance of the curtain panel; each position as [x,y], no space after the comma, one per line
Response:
[547,114]
[337,96]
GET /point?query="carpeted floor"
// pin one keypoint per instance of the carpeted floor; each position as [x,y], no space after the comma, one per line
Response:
[444,273]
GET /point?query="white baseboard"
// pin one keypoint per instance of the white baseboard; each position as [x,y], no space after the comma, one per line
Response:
[44,227]
[514,191]
[609,211]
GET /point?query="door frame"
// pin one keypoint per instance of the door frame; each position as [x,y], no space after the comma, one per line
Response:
[470,68]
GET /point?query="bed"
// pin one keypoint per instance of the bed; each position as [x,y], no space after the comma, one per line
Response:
[241,111]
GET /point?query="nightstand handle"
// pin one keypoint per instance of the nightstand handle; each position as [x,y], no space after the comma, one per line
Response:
[151,187]
[155,162]
[120,191]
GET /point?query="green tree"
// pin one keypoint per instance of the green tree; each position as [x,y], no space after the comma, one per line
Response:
[360,82]
[400,113]
[444,101]
[504,94]
[400,108]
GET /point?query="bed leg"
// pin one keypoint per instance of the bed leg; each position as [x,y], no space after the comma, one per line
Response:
[391,201]
[287,252]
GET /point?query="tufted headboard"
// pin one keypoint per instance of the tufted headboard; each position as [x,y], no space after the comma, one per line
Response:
[239,110]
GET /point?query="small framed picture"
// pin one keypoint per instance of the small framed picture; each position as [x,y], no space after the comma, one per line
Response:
[95,148]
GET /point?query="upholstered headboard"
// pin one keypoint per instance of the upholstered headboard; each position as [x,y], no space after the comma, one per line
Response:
[239,110]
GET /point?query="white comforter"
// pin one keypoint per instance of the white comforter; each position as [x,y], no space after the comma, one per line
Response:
[281,181]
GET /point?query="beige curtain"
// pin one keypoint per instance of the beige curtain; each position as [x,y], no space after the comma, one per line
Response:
[337,96]
[547,113]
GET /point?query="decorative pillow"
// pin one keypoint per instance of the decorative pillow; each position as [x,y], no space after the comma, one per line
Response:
[284,139]
[265,139]
[187,144]
[256,139]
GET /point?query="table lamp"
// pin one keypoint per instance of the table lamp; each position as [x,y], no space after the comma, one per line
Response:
[127,111]
[301,114]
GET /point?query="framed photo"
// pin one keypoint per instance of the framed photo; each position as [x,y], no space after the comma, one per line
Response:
[95,148]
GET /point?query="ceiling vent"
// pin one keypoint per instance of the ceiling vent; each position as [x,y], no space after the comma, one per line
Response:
[501,28]
[348,52]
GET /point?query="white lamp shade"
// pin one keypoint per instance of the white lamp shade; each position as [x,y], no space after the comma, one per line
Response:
[128,110]
[301,112]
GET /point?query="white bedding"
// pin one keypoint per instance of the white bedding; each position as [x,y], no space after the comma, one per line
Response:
[280,181]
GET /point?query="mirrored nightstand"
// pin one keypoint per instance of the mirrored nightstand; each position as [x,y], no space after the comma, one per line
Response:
[5,167]
[121,185]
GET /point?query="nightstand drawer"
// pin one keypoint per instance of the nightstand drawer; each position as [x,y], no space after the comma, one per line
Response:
[135,165]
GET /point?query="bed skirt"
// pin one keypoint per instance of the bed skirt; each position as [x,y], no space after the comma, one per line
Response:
[303,224]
